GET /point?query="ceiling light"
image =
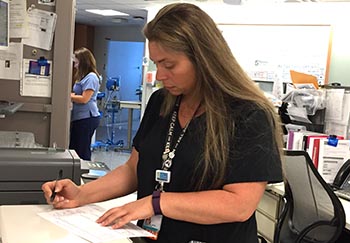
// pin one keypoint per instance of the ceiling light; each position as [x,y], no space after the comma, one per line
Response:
[119,20]
[106,12]
[233,2]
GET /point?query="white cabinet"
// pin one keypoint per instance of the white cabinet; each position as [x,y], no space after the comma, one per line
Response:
[267,214]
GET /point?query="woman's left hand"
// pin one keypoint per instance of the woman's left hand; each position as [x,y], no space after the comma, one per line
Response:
[120,216]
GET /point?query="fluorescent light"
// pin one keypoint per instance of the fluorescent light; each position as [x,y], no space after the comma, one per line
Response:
[119,20]
[233,2]
[106,12]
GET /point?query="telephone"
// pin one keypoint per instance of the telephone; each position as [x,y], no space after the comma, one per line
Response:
[341,183]
[342,175]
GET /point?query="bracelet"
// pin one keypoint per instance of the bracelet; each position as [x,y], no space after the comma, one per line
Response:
[156,202]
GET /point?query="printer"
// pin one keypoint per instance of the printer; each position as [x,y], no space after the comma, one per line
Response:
[24,170]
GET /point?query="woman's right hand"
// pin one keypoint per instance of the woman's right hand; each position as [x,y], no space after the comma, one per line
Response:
[67,193]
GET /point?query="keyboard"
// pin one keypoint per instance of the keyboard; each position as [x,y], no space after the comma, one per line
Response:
[95,169]
[345,194]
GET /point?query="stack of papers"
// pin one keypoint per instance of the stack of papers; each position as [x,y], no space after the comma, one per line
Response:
[81,221]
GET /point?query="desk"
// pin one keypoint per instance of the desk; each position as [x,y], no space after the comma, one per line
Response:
[21,224]
[131,105]
[269,208]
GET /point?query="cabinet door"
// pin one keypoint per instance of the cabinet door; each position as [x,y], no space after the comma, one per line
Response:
[267,215]
[266,226]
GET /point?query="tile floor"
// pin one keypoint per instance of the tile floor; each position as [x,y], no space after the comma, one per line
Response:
[111,144]
[113,151]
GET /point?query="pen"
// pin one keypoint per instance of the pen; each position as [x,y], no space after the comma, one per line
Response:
[59,177]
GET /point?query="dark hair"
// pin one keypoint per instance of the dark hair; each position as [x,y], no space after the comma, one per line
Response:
[87,63]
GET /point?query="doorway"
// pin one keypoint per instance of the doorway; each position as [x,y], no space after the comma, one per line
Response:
[123,64]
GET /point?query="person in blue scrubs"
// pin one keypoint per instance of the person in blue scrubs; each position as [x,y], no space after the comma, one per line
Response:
[85,116]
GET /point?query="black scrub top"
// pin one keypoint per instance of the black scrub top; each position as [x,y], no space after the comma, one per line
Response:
[253,157]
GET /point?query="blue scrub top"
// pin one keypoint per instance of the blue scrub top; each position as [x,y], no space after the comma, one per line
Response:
[90,109]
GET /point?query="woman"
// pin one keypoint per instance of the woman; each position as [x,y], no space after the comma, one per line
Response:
[85,116]
[208,143]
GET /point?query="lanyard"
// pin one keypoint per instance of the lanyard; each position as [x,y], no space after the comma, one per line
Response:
[169,154]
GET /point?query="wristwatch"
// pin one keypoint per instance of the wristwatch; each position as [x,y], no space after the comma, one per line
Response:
[156,202]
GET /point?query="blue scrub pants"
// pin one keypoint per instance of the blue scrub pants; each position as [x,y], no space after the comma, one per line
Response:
[81,132]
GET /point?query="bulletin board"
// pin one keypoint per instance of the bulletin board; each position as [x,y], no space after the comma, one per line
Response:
[267,52]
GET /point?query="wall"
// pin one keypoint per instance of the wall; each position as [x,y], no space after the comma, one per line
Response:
[116,33]
[43,116]
[335,14]
[288,13]
[84,36]
[46,117]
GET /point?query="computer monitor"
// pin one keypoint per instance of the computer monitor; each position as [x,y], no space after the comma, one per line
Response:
[4,24]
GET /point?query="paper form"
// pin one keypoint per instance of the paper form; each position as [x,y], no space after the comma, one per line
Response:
[82,222]
[11,61]
[334,104]
[331,158]
[339,103]
[18,19]
[338,112]
[41,28]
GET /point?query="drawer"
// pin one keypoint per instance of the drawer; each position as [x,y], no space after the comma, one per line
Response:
[269,205]
[266,226]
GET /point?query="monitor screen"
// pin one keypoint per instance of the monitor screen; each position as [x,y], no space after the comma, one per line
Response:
[4,24]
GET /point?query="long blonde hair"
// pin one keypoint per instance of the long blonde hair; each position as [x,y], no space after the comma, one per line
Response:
[186,28]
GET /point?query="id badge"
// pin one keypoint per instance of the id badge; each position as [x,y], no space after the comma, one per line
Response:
[162,176]
[153,225]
